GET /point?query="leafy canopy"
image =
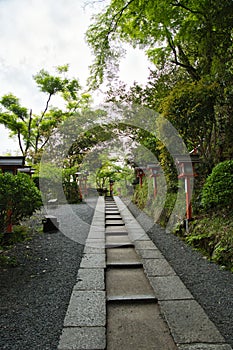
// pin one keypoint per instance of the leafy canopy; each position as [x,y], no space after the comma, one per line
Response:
[34,130]
[193,35]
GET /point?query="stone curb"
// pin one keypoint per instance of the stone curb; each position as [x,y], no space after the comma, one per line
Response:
[85,320]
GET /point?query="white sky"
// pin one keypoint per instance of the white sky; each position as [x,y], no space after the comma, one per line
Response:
[36,34]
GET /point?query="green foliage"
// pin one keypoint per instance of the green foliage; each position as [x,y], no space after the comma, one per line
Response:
[192,51]
[217,191]
[190,44]
[109,170]
[34,130]
[213,236]
[18,195]
[20,233]
[70,185]
[190,36]
[140,195]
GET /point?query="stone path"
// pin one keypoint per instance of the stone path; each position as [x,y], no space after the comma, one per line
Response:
[127,296]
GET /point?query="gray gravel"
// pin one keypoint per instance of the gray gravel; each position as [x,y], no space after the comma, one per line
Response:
[211,286]
[35,294]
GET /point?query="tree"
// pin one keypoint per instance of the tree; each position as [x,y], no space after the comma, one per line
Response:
[190,43]
[193,35]
[109,170]
[34,130]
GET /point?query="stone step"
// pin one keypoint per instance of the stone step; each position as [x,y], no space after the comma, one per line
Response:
[112,211]
[128,283]
[137,326]
[113,222]
[122,256]
[116,228]
[113,217]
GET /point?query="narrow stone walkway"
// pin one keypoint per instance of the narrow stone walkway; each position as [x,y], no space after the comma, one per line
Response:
[127,296]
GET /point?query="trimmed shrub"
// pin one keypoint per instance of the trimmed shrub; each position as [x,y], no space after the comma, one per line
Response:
[19,196]
[217,192]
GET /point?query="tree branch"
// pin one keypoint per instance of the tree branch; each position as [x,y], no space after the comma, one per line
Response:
[20,143]
[178,4]
[29,131]
[118,14]
[45,110]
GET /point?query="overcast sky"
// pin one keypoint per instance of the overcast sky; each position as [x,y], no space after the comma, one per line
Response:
[36,34]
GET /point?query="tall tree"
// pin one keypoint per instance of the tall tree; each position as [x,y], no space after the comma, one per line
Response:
[190,43]
[34,130]
[194,35]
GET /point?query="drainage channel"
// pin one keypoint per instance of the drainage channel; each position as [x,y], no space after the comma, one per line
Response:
[134,320]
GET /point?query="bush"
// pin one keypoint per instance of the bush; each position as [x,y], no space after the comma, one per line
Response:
[212,235]
[18,195]
[217,191]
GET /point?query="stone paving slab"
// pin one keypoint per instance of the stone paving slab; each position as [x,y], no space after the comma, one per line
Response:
[189,323]
[90,279]
[126,282]
[93,250]
[93,261]
[137,235]
[134,226]
[96,235]
[112,212]
[115,229]
[150,253]
[204,347]
[137,326]
[114,222]
[157,267]
[122,255]
[83,338]
[117,240]
[86,308]
[170,288]
[95,243]
[113,217]
[144,245]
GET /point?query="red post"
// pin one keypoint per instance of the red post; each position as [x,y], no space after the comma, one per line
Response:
[80,189]
[9,223]
[188,198]
[155,186]
[140,180]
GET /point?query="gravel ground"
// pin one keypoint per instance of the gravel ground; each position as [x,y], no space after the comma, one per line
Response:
[35,294]
[211,287]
